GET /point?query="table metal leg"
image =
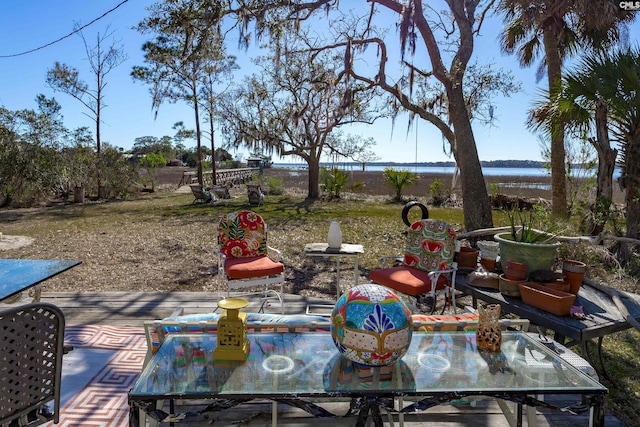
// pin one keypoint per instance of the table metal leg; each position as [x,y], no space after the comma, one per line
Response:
[368,406]
[603,367]
[356,272]
[596,414]
[145,413]
[602,364]
[519,415]
[134,415]
[400,414]
[514,420]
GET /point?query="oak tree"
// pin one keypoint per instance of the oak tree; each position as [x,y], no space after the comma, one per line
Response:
[429,79]
[295,108]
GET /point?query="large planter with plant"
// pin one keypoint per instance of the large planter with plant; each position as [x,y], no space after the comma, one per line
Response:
[534,248]
[536,256]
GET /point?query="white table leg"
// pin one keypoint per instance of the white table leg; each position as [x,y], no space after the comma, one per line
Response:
[338,293]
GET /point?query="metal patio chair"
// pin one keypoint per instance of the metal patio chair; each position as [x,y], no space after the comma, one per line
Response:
[255,194]
[31,350]
[428,266]
[245,259]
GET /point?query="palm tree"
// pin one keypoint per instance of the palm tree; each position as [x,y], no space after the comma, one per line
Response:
[398,179]
[556,29]
[613,80]
[578,106]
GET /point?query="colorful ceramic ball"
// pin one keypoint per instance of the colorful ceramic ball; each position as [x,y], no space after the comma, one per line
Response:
[371,325]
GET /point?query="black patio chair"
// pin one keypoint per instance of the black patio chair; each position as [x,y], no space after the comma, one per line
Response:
[31,350]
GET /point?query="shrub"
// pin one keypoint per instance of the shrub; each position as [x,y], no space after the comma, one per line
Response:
[117,174]
[275,185]
[439,192]
[357,186]
[493,189]
[399,179]
[152,162]
[333,181]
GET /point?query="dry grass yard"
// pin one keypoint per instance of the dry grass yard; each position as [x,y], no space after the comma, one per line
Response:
[161,242]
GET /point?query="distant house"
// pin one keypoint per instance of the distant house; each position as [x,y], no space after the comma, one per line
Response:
[254,162]
[259,162]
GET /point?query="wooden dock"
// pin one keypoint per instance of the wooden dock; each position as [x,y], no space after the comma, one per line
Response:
[223,176]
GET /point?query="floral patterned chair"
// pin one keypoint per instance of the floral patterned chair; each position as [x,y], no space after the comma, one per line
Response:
[244,256]
[428,266]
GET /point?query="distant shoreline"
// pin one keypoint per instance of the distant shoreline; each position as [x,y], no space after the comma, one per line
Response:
[431,170]
[484,163]
[372,182]
[491,170]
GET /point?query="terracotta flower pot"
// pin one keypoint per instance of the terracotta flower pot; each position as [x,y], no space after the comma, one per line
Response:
[551,300]
[515,270]
[574,273]
[468,257]
[488,264]
[558,285]
[509,287]
[488,254]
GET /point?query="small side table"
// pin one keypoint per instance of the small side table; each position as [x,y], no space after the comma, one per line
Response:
[346,251]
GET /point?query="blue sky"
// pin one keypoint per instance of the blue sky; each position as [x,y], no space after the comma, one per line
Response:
[28,24]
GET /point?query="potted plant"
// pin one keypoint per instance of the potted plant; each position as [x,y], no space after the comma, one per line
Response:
[525,244]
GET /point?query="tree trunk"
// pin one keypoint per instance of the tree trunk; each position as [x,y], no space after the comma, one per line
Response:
[606,166]
[475,199]
[198,136]
[102,187]
[606,154]
[631,183]
[98,113]
[78,194]
[214,179]
[314,178]
[558,171]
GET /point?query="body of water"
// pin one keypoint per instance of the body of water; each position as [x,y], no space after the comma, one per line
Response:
[487,171]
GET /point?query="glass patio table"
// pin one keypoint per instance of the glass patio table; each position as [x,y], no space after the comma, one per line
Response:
[302,369]
[18,275]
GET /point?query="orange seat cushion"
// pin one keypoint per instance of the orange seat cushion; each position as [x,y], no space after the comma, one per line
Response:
[408,280]
[251,267]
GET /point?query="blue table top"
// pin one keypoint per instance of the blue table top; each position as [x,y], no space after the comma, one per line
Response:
[17,275]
